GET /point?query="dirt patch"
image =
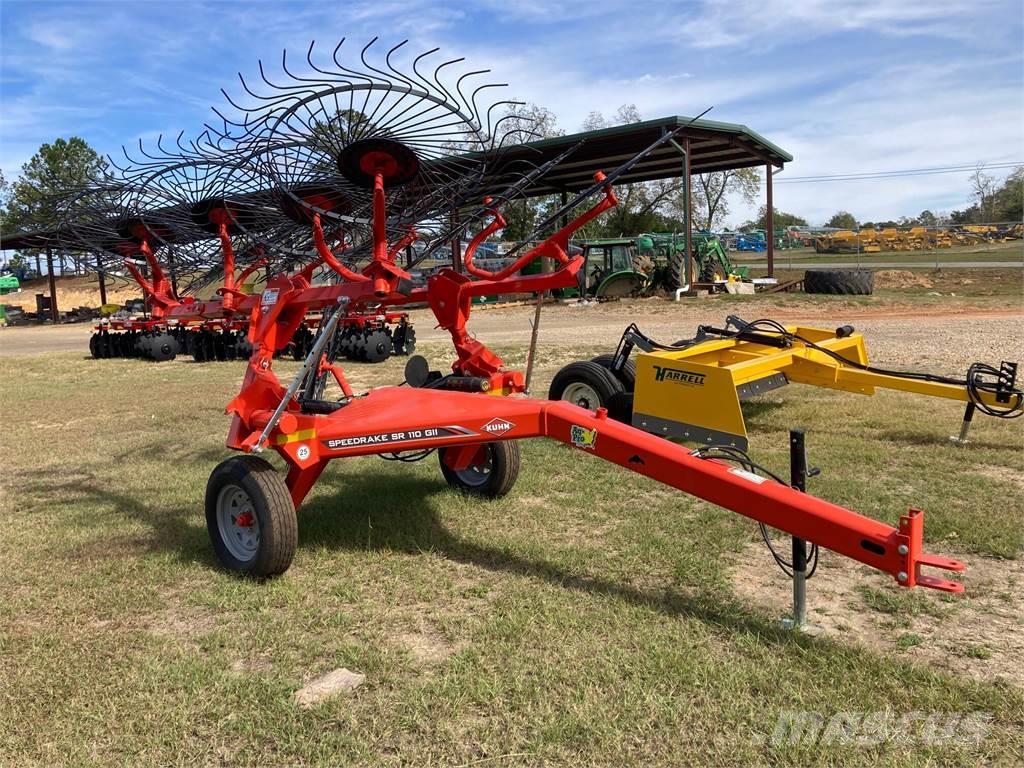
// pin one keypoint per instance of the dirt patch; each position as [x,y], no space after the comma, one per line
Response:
[901,278]
[251,665]
[178,622]
[426,648]
[1005,474]
[977,634]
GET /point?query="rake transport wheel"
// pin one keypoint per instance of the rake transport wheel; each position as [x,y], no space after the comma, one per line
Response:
[250,517]
[492,476]
[847,282]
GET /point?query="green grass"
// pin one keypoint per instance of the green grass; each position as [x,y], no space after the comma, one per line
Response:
[587,618]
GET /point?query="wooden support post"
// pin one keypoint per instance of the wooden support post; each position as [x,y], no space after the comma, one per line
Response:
[54,314]
[103,282]
[770,222]
[174,273]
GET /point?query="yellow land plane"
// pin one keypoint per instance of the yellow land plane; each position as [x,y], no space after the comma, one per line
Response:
[692,390]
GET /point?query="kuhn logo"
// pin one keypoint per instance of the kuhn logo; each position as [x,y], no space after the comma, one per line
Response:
[498,426]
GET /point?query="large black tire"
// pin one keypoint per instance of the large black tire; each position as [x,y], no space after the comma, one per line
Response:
[585,383]
[491,480]
[847,282]
[676,274]
[265,497]
[712,270]
[627,376]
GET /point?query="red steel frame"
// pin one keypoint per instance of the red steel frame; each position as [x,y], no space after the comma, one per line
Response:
[392,419]
[231,311]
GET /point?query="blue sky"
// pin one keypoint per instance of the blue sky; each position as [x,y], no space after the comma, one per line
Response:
[843,86]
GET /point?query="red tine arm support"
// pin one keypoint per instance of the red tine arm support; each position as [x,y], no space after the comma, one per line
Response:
[250,269]
[328,257]
[146,286]
[554,247]
[410,237]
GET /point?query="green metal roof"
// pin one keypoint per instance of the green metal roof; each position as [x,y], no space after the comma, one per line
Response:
[714,146]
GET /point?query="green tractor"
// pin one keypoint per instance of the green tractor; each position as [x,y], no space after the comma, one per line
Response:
[9,284]
[614,269]
[635,266]
[709,261]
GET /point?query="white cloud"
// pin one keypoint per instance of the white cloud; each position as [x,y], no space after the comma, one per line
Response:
[771,23]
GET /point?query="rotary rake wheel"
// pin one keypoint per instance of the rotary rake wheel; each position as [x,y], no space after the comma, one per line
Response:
[216,201]
[103,219]
[334,131]
[372,157]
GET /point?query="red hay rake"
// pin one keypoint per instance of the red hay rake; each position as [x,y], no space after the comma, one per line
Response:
[340,169]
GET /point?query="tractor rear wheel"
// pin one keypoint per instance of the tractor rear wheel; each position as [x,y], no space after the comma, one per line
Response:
[250,517]
[627,375]
[492,476]
[587,384]
[676,270]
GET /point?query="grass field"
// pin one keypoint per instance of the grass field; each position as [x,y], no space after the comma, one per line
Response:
[592,617]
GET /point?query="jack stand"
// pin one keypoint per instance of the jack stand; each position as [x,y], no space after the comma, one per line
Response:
[961,439]
[798,474]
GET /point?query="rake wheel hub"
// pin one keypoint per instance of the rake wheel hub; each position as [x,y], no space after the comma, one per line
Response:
[362,160]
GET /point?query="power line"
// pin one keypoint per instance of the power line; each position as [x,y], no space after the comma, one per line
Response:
[868,175]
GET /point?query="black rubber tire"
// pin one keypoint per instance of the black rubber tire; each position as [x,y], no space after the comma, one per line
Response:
[273,507]
[676,274]
[628,373]
[846,282]
[504,470]
[594,375]
[712,271]
[94,345]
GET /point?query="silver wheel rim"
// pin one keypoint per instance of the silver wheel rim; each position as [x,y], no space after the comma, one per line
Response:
[237,522]
[583,395]
[477,475]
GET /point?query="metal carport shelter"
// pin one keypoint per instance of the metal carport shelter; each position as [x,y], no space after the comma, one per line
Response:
[703,146]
